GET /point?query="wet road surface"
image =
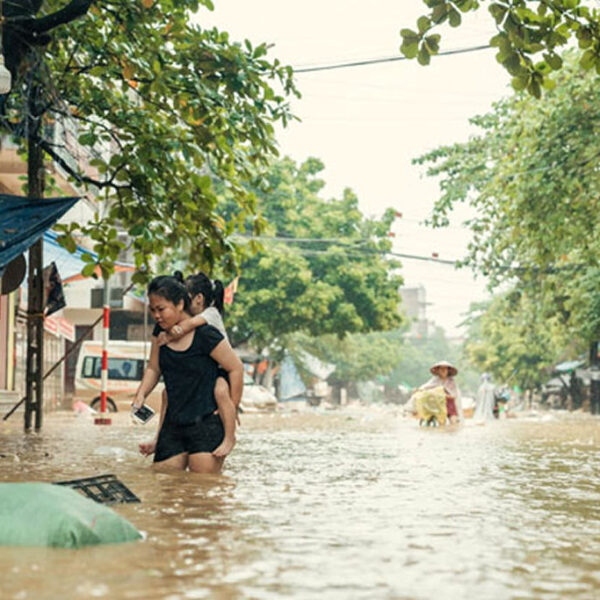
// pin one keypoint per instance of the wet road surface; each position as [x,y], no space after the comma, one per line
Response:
[342,505]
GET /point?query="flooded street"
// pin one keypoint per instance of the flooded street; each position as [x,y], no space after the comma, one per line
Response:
[341,505]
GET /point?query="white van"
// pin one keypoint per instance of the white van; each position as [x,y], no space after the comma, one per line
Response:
[125,371]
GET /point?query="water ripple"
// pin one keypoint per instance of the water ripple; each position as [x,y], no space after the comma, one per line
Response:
[340,505]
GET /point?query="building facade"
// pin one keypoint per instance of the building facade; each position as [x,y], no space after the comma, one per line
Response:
[84,297]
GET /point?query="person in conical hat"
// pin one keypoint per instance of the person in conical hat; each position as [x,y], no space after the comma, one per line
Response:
[452,370]
[443,375]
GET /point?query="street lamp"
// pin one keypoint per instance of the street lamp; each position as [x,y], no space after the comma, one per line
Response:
[5,76]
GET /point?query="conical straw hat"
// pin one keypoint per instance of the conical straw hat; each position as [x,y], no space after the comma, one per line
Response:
[452,370]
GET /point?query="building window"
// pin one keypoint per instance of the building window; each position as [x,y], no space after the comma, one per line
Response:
[115,297]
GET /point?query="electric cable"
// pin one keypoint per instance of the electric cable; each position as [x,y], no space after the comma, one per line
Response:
[389,59]
[354,248]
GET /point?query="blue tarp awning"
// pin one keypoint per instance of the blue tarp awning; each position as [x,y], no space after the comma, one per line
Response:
[68,264]
[291,384]
[24,220]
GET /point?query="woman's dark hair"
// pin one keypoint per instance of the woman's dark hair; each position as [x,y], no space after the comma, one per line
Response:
[212,291]
[170,288]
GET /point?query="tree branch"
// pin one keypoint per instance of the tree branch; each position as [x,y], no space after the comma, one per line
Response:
[47,147]
[110,131]
[73,10]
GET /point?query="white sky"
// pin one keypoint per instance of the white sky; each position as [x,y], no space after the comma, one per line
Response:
[367,123]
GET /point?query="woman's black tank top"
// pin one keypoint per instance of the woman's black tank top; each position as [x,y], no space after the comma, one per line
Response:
[190,376]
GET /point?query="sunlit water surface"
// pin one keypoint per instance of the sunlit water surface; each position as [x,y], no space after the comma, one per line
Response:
[353,504]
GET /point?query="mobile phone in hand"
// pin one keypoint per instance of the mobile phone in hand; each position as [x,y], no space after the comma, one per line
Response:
[142,414]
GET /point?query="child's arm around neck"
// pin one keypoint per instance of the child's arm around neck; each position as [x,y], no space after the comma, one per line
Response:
[179,330]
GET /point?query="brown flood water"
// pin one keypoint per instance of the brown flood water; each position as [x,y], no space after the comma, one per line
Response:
[341,505]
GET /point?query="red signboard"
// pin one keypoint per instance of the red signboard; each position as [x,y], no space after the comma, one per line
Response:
[51,325]
[60,327]
[66,328]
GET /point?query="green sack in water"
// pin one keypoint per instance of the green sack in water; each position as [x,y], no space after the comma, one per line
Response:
[43,514]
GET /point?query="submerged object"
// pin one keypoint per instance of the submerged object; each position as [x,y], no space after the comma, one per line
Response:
[106,489]
[44,514]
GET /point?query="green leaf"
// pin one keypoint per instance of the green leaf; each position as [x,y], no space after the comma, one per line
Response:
[409,36]
[410,50]
[585,37]
[69,243]
[88,139]
[520,83]
[89,270]
[440,13]
[423,56]
[498,11]
[554,60]
[423,24]
[454,18]
[588,59]
[137,229]
[432,43]
[512,64]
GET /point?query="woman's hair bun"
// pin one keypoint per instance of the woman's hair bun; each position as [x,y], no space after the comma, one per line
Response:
[179,276]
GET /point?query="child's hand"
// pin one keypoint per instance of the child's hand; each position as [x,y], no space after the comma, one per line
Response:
[175,333]
[163,338]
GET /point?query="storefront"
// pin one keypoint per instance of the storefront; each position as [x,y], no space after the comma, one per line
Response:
[58,334]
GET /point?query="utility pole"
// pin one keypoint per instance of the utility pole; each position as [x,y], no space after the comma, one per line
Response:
[595,379]
[35,302]
[22,33]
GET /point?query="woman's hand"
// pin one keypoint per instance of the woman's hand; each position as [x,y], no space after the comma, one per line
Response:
[138,402]
[147,448]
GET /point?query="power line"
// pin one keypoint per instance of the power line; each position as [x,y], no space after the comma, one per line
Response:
[357,248]
[354,246]
[375,61]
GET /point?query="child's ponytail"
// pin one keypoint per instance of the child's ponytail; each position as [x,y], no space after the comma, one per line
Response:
[219,296]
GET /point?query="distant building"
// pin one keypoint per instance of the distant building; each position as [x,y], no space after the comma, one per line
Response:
[414,308]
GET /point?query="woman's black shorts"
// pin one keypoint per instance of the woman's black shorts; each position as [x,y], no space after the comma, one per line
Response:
[203,436]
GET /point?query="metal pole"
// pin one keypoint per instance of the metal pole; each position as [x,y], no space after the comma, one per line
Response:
[103,419]
[145,330]
[35,308]
[595,379]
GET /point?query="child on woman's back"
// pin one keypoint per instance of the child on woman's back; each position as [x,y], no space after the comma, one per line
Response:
[207,307]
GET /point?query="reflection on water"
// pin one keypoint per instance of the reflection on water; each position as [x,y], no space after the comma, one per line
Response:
[340,505]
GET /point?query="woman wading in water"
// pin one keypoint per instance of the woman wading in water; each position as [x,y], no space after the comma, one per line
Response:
[189,429]
[206,304]
[443,375]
